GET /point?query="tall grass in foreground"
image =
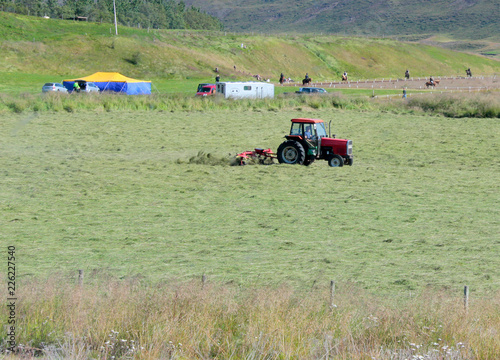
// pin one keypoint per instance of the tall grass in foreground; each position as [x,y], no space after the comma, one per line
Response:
[459,105]
[486,105]
[127,319]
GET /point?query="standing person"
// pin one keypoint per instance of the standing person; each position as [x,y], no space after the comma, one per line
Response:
[76,87]
[217,78]
[282,79]
[407,74]
[404,93]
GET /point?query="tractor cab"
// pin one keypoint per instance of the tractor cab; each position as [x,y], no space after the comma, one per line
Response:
[308,141]
[309,132]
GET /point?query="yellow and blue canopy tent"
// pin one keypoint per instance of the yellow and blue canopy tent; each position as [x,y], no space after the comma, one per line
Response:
[113,81]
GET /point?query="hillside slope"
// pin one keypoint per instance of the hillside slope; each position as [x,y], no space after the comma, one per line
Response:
[472,19]
[54,47]
[462,25]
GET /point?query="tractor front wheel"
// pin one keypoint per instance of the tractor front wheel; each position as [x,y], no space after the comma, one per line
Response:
[291,152]
[336,161]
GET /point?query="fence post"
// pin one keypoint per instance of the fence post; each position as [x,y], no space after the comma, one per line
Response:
[203,280]
[332,294]
[466,298]
[80,277]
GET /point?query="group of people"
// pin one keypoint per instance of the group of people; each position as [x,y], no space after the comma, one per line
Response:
[217,77]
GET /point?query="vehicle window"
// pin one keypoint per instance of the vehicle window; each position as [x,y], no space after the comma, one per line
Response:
[247,88]
[296,129]
[320,128]
[206,89]
[48,84]
[309,132]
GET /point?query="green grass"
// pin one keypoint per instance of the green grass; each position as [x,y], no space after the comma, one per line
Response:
[484,105]
[116,192]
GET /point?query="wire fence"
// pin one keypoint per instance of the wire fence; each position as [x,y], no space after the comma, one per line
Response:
[398,84]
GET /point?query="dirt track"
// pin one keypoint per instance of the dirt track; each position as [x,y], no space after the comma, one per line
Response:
[445,83]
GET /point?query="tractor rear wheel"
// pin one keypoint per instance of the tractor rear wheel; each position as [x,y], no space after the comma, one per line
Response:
[336,161]
[291,152]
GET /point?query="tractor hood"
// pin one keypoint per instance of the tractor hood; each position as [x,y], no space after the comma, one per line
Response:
[339,146]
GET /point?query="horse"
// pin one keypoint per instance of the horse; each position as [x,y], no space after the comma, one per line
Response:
[344,78]
[428,83]
[306,81]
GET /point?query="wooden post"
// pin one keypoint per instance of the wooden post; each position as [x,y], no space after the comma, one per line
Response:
[203,280]
[466,298]
[332,294]
[80,277]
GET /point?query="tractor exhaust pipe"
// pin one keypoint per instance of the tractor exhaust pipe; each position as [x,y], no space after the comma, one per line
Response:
[330,130]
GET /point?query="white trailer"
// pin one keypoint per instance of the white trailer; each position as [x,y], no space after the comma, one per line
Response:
[246,90]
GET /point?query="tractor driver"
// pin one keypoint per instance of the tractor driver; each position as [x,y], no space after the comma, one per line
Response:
[307,132]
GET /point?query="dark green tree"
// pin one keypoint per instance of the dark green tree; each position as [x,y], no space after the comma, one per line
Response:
[100,12]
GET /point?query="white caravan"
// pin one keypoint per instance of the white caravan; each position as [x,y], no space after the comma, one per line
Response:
[246,90]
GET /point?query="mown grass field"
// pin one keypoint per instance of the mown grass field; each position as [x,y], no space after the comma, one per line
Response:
[116,193]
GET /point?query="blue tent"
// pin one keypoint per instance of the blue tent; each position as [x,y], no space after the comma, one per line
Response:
[113,81]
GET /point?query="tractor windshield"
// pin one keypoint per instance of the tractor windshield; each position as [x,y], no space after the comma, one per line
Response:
[296,129]
[320,128]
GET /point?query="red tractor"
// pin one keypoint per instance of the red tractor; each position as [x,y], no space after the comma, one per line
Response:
[309,141]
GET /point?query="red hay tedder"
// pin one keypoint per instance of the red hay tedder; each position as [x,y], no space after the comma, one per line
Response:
[261,156]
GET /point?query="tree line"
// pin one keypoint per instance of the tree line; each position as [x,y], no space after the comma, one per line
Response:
[156,14]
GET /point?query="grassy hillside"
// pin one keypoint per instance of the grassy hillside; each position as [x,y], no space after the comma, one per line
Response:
[35,50]
[471,25]
[473,18]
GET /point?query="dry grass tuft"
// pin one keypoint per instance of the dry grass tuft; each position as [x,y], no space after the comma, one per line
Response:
[130,320]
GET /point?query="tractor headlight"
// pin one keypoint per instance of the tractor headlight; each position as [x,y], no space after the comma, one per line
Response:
[349,147]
